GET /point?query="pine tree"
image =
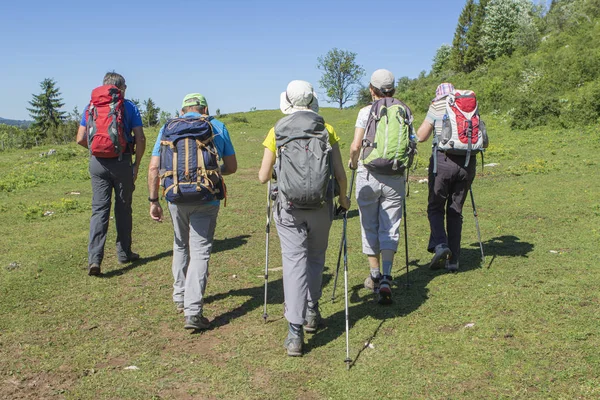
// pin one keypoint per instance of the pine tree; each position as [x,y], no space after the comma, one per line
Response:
[459,44]
[45,108]
[151,113]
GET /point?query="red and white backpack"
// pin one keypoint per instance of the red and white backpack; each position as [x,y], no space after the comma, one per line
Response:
[463,131]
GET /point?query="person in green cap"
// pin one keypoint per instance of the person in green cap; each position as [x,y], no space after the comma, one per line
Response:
[194,213]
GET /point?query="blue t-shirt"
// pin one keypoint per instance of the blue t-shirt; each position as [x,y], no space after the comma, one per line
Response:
[222,141]
[132,118]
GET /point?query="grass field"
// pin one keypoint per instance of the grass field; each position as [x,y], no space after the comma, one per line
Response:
[523,324]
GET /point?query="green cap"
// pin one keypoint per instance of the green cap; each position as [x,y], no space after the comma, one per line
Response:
[194,99]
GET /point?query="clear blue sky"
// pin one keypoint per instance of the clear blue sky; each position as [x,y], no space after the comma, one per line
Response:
[239,54]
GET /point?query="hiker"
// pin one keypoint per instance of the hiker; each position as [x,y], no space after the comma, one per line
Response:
[380,181]
[193,196]
[307,150]
[448,186]
[111,165]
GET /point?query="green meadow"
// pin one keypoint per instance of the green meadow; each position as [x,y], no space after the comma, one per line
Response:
[522,324]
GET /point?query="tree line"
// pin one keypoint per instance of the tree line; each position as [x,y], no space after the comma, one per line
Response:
[53,125]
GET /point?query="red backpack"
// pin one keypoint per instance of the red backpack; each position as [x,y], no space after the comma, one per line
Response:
[105,127]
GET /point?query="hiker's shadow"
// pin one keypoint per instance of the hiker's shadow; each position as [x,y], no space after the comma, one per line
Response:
[135,264]
[255,301]
[410,291]
[229,243]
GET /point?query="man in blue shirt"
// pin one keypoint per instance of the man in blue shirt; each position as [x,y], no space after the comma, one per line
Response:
[193,224]
[118,174]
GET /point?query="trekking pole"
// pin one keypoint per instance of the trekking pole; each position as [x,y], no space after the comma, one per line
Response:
[337,270]
[348,361]
[267,229]
[405,239]
[477,224]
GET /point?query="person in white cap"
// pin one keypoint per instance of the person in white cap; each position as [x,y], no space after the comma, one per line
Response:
[379,196]
[304,206]
[448,188]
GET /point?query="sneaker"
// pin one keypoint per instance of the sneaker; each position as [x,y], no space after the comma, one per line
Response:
[179,306]
[442,253]
[385,291]
[313,319]
[94,269]
[452,267]
[372,284]
[196,322]
[132,257]
[294,341]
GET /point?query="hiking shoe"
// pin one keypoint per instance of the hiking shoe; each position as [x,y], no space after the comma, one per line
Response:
[372,284]
[94,269]
[179,306]
[132,257]
[313,319]
[452,267]
[196,322]
[294,341]
[442,253]
[385,291]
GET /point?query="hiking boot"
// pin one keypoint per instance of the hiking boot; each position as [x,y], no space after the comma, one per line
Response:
[452,267]
[372,284]
[385,291]
[196,322]
[94,269]
[294,340]
[131,258]
[179,306]
[313,319]
[442,253]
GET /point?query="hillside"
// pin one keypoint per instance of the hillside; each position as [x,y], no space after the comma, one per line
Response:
[14,122]
[523,324]
[553,80]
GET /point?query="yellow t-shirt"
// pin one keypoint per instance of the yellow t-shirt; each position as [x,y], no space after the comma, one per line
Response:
[270,143]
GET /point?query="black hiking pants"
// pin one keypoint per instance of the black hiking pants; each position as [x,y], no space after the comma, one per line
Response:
[447,193]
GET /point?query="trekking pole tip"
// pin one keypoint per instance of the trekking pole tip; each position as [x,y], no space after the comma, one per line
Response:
[348,363]
[265,316]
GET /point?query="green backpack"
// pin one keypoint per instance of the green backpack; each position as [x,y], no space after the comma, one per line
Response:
[389,143]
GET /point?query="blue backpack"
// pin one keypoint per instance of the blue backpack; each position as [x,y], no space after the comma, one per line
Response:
[189,162]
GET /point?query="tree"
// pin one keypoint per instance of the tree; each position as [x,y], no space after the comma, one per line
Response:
[45,108]
[363,97]
[341,75]
[506,25]
[164,117]
[441,60]
[459,43]
[151,113]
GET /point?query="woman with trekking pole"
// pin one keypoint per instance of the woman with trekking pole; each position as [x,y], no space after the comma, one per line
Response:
[309,160]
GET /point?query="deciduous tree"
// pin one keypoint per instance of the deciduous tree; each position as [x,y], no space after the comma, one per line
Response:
[341,75]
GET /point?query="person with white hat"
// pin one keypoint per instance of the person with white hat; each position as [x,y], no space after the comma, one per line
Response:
[379,195]
[309,158]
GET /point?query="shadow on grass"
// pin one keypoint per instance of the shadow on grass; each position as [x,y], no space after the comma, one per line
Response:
[409,290]
[229,243]
[255,301]
[135,264]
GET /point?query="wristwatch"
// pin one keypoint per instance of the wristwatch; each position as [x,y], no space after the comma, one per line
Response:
[153,200]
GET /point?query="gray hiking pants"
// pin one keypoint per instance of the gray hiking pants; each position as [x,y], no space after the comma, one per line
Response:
[108,175]
[379,199]
[447,193]
[303,235]
[194,228]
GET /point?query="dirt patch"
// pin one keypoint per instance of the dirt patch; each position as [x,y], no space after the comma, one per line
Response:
[38,386]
